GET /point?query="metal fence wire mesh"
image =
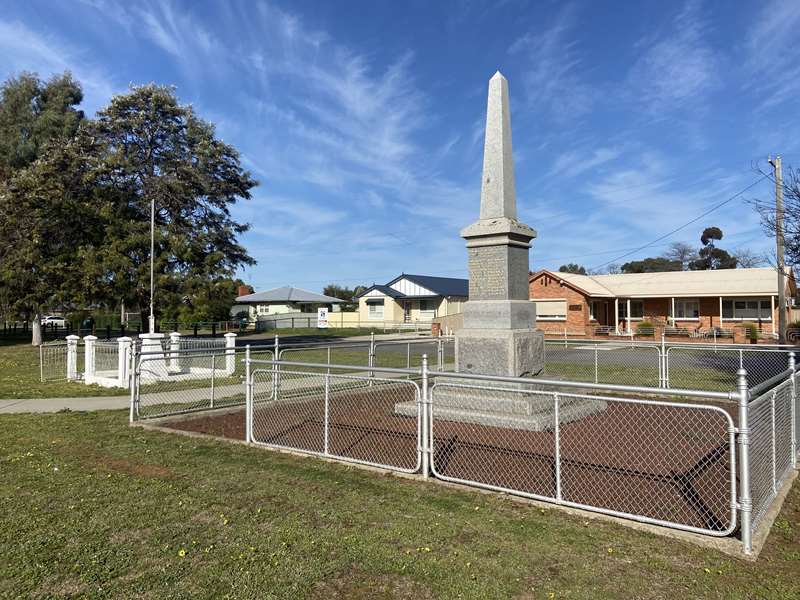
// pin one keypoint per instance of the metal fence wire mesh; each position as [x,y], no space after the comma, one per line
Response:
[341,354]
[53,361]
[168,384]
[715,368]
[770,422]
[623,363]
[661,461]
[106,358]
[349,417]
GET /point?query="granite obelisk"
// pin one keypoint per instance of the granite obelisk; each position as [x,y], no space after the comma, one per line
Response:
[499,335]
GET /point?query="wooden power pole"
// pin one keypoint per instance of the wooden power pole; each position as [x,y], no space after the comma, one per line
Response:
[776,165]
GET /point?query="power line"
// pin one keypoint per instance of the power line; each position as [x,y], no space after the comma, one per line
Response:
[677,229]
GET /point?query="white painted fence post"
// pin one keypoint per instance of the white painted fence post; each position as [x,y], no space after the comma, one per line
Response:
[72,357]
[123,361]
[88,366]
[230,353]
[174,352]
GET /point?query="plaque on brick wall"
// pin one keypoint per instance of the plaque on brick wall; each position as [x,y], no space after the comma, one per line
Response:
[575,307]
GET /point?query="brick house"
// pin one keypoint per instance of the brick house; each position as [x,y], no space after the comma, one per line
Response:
[691,302]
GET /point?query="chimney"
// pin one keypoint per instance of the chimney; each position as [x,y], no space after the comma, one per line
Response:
[244,290]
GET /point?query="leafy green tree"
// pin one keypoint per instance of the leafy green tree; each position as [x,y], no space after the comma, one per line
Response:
[38,247]
[652,265]
[572,268]
[48,222]
[33,112]
[710,257]
[342,292]
[146,147]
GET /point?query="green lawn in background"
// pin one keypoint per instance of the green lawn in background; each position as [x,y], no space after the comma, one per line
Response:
[20,376]
[93,508]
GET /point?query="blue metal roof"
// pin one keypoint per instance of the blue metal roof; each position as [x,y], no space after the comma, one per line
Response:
[440,286]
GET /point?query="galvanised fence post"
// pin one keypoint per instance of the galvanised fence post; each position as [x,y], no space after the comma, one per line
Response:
[557,443]
[745,500]
[248,397]
[793,412]
[425,427]
[276,356]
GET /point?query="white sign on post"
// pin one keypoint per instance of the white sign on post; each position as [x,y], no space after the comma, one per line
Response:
[322,318]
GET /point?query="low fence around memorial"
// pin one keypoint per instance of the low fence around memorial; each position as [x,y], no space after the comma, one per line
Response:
[663,365]
[707,462]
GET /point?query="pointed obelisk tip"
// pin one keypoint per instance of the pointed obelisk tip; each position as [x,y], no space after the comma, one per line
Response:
[498,75]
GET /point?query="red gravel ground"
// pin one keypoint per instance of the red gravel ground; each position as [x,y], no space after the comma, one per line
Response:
[664,462]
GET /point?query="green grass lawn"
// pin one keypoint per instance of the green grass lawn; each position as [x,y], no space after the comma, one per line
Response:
[20,377]
[93,508]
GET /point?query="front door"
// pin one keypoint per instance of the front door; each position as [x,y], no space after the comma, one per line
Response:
[406,311]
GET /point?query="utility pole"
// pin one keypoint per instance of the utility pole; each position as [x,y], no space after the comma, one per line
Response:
[776,165]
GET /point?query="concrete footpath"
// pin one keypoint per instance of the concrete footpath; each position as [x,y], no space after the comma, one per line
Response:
[49,405]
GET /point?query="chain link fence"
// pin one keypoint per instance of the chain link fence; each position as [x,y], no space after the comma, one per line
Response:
[772,445]
[348,417]
[656,365]
[687,458]
[659,462]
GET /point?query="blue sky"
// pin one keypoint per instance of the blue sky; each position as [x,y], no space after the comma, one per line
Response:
[363,121]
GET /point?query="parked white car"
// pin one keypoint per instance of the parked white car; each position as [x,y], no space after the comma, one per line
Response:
[54,320]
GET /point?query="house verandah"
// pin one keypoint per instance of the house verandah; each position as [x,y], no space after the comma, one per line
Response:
[695,304]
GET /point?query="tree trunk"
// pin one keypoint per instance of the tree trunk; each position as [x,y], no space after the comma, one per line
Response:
[36,330]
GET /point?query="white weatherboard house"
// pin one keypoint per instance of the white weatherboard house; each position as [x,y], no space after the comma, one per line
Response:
[413,298]
[285,300]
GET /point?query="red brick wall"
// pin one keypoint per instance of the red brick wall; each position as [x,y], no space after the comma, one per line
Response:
[548,287]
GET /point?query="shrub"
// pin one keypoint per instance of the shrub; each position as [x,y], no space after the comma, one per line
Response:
[752,330]
[644,328]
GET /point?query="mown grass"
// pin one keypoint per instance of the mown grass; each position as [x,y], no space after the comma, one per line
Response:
[92,508]
[20,375]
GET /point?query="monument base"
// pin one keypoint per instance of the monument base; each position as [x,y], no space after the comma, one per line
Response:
[507,353]
[510,406]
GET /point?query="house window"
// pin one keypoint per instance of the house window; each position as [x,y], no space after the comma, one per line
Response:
[739,309]
[596,310]
[375,308]
[687,309]
[551,310]
[263,309]
[426,305]
[637,310]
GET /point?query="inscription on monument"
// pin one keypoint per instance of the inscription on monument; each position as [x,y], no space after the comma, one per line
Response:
[488,273]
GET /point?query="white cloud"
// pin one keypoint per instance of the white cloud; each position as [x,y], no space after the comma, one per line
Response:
[676,67]
[773,61]
[23,49]
[552,80]
[576,162]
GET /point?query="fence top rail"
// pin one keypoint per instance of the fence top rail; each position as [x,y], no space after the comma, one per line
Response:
[768,384]
[562,383]
[289,363]
[729,396]
[626,340]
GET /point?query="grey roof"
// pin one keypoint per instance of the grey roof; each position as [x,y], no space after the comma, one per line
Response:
[441,286]
[288,294]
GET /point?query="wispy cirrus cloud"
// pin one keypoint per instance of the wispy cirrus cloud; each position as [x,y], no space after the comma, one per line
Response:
[552,73]
[678,66]
[23,49]
[773,54]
